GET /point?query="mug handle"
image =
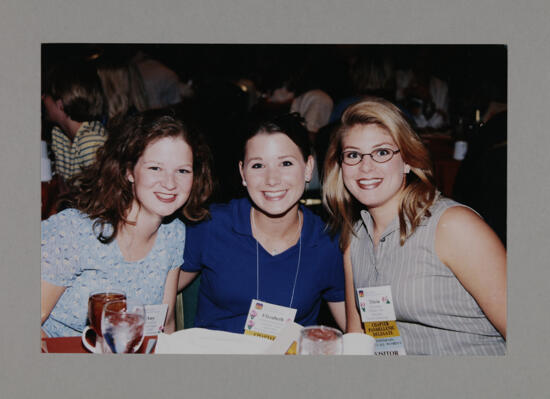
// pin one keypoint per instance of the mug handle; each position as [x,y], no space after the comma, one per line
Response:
[87,345]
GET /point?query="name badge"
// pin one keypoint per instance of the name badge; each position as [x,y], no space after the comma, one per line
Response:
[378,316]
[155,315]
[266,319]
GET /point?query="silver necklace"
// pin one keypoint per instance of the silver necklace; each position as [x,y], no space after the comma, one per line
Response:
[276,251]
[297,267]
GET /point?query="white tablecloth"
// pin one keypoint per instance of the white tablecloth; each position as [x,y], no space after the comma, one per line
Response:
[204,341]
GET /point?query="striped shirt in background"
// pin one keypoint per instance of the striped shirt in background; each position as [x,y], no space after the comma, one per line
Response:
[70,157]
[435,314]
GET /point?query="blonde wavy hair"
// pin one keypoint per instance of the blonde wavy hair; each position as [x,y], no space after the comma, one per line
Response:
[419,192]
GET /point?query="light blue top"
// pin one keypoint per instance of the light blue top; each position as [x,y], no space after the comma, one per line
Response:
[73,257]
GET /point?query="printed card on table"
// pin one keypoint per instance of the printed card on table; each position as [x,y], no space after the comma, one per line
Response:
[155,315]
[266,319]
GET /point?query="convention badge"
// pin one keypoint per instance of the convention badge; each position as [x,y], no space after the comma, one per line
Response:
[266,319]
[376,303]
[155,315]
[378,316]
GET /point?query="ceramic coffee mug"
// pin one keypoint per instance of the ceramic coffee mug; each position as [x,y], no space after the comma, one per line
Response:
[96,301]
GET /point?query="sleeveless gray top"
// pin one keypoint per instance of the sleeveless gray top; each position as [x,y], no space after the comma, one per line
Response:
[435,314]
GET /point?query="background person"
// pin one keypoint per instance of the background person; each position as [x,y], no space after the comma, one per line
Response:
[118,233]
[481,181]
[422,94]
[73,101]
[123,88]
[445,266]
[266,246]
[163,86]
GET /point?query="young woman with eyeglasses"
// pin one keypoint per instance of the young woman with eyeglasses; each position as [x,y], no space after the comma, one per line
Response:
[445,266]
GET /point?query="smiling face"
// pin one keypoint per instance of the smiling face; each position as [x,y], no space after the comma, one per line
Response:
[162,177]
[275,172]
[375,185]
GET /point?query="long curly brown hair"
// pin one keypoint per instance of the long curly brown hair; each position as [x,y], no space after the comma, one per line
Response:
[102,190]
[419,192]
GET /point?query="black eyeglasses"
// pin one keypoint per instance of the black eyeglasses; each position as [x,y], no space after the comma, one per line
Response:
[379,155]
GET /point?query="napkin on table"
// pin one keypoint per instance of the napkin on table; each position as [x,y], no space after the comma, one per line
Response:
[204,341]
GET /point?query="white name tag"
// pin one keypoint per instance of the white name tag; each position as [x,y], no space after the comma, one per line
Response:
[155,315]
[266,319]
[376,303]
[378,316]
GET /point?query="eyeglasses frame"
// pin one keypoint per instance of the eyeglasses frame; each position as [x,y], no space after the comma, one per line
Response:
[369,154]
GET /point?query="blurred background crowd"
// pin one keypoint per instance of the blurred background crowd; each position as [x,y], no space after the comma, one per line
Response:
[449,93]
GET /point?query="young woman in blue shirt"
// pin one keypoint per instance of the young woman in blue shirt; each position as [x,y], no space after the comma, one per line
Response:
[266,246]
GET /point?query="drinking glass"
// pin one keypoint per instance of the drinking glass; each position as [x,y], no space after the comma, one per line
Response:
[320,340]
[96,301]
[122,325]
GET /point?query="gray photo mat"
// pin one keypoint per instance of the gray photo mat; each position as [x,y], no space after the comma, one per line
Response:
[523,27]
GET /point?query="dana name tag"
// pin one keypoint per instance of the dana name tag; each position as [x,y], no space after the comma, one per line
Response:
[376,303]
[155,315]
[266,319]
[378,316]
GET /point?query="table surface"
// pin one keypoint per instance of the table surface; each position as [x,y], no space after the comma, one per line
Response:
[74,345]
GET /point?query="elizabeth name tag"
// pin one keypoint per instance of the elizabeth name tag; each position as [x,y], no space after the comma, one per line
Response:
[266,320]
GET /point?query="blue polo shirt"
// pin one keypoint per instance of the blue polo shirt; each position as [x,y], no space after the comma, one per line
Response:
[224,250]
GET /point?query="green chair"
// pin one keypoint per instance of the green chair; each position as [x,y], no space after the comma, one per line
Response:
[186,305]
[179,312]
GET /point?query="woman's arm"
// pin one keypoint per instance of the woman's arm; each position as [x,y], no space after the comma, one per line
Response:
[353,319]
[185,279]
[474,253]
[170,291]
[49,295]
[338,310]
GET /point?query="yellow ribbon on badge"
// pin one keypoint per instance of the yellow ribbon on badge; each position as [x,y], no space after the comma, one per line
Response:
[292,349]
[381,329]
[259,334]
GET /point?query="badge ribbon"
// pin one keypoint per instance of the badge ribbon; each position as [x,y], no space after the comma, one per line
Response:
[378,316]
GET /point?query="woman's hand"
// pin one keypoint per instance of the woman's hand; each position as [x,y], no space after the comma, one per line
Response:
[338,311]
[475,254]
[43,345]
[353,319]
[170,292]
[49,296]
